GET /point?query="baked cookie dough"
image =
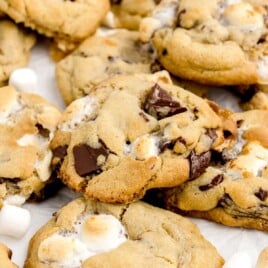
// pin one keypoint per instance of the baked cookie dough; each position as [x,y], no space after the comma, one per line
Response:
[129,13]
[15,46]
[99,57]
[262,261]
[211,41]
[234,190]
[86,233]
[133,133]
[68,22]
[5,257]
[27,125]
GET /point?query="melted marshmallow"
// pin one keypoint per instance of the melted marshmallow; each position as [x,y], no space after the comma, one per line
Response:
[262,68]
[93,234]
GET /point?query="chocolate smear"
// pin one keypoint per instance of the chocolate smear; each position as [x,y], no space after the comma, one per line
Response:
[215,181]
[198,163]
[86,158]
[160,104]
[261,194]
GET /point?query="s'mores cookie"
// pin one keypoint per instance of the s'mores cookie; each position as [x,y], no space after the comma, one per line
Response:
[27,125]
[99,57]
[87,233]
[5,257]
[67,22]
[212,41]
[234,190]
[15,47]
[133,133]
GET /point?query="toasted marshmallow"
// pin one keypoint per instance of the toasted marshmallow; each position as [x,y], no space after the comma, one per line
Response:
[15,200]
[32,139]
[102,233]
[14,221]
[80,110]
[93,234]
[109,20]
[262,68]
[244,16]
[43,166]
[145,146]
[24,79]
[239,259]
[65,251]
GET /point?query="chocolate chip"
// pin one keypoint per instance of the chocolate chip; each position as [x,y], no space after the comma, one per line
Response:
[164,52]
[111,58]
[227,134]
[239,123]
[115,2]
[218,158]
[85,158]
[169,144]
[160,104]
[198,163]
[42,131]
[215,181]
[157,1]
[60,151]
[261,194]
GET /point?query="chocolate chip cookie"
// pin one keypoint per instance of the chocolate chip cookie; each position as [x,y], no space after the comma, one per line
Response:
[234,190]
[27,125]
[15,46]
[100,57]
[133,133]
[128,13]
[87,233]
[212,42]
[68,22]
[5,257]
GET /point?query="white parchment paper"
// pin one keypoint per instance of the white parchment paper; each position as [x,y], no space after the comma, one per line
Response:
[227,240]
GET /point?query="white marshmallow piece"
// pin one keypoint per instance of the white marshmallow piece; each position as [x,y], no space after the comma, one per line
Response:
[102,233]
[239,259]
[14,221]
[24,80]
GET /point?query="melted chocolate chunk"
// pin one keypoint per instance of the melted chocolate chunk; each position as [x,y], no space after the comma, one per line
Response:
[170,144]
[160,104]
[261,194]
[42,131]
[215,181]
[245,92]
[198,163]
[60,151]
[85,158]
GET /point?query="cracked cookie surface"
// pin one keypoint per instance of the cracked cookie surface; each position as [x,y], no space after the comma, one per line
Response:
[233,191]
[133,133]
[100,57]
[15,46]
[212,42]
[27,125]
[68,22]
[168,241]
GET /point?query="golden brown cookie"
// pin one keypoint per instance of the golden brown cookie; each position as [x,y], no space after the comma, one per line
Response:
[87,233]
[5,257]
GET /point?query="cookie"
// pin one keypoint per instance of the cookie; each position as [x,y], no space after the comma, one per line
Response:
[5,257]
[68,22]
[87,233]
[262,261]
[100,57]
[234,190]
[133,133]
[211,42]
[15,46]
[128,13]
[27,125]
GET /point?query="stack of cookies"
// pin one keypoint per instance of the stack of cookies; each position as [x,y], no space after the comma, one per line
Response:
[138,139]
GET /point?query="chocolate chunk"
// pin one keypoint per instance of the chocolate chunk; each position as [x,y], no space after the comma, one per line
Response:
[261,194]
[85,158]
[60,151]
[239,123]
[169,144]
[212,134]
[215,181]
[160,104]
[42,131]
[198,163]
